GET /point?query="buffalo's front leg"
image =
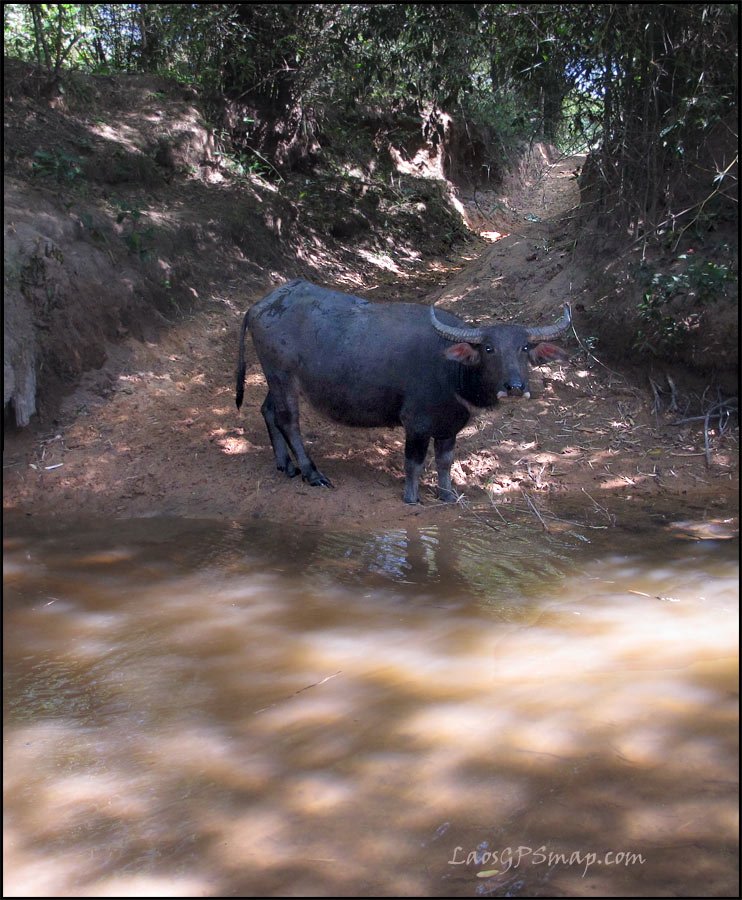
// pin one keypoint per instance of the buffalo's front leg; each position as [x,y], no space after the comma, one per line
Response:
[444,448]
[415,451]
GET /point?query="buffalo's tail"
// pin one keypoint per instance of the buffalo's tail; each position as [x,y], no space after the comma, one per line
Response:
[240,391]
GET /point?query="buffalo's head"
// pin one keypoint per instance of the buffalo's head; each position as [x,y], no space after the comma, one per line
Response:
[500,353]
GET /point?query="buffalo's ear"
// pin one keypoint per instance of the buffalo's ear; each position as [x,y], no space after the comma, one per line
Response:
[463,353]
[544,353]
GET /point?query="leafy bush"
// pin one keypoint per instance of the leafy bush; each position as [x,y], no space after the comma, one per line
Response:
[137,238]
[671,304]
[57,164]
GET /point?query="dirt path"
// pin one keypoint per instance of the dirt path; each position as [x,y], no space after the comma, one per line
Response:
[156,432]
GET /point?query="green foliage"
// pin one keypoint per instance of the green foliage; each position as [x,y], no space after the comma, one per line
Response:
[127,211]
[670,304]
[666,78]
[243,165]
[579,129]
[138,239]
[57,164]
[650,88]
[46,32]
[701,280]
[706,280]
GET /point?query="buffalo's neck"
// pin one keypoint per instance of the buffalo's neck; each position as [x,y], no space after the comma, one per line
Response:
[469,386]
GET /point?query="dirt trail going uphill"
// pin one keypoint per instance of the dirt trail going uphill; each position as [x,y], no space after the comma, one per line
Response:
[156,432]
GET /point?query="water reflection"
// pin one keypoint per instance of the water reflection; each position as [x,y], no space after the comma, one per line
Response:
[197,708]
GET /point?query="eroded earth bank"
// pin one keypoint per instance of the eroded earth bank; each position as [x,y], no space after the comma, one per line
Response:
[152,428]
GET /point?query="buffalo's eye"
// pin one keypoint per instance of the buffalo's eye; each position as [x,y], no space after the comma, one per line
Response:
[526,348]
[487,348]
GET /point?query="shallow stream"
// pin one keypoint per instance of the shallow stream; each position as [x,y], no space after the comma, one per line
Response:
[198,708]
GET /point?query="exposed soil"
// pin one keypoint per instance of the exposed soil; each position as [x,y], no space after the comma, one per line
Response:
[155,430]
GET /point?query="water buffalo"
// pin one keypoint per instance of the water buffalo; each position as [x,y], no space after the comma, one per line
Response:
[381,364]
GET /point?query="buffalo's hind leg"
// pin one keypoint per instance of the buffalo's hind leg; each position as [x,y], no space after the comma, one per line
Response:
[281,451]
[281,413]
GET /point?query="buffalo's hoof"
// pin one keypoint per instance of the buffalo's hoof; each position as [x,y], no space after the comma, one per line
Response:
[317,479]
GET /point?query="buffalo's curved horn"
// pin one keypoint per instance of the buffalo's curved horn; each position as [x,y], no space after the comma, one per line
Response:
[547,332]
[452,333]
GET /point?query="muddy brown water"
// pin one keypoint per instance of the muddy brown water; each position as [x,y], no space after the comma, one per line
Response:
[200,708]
